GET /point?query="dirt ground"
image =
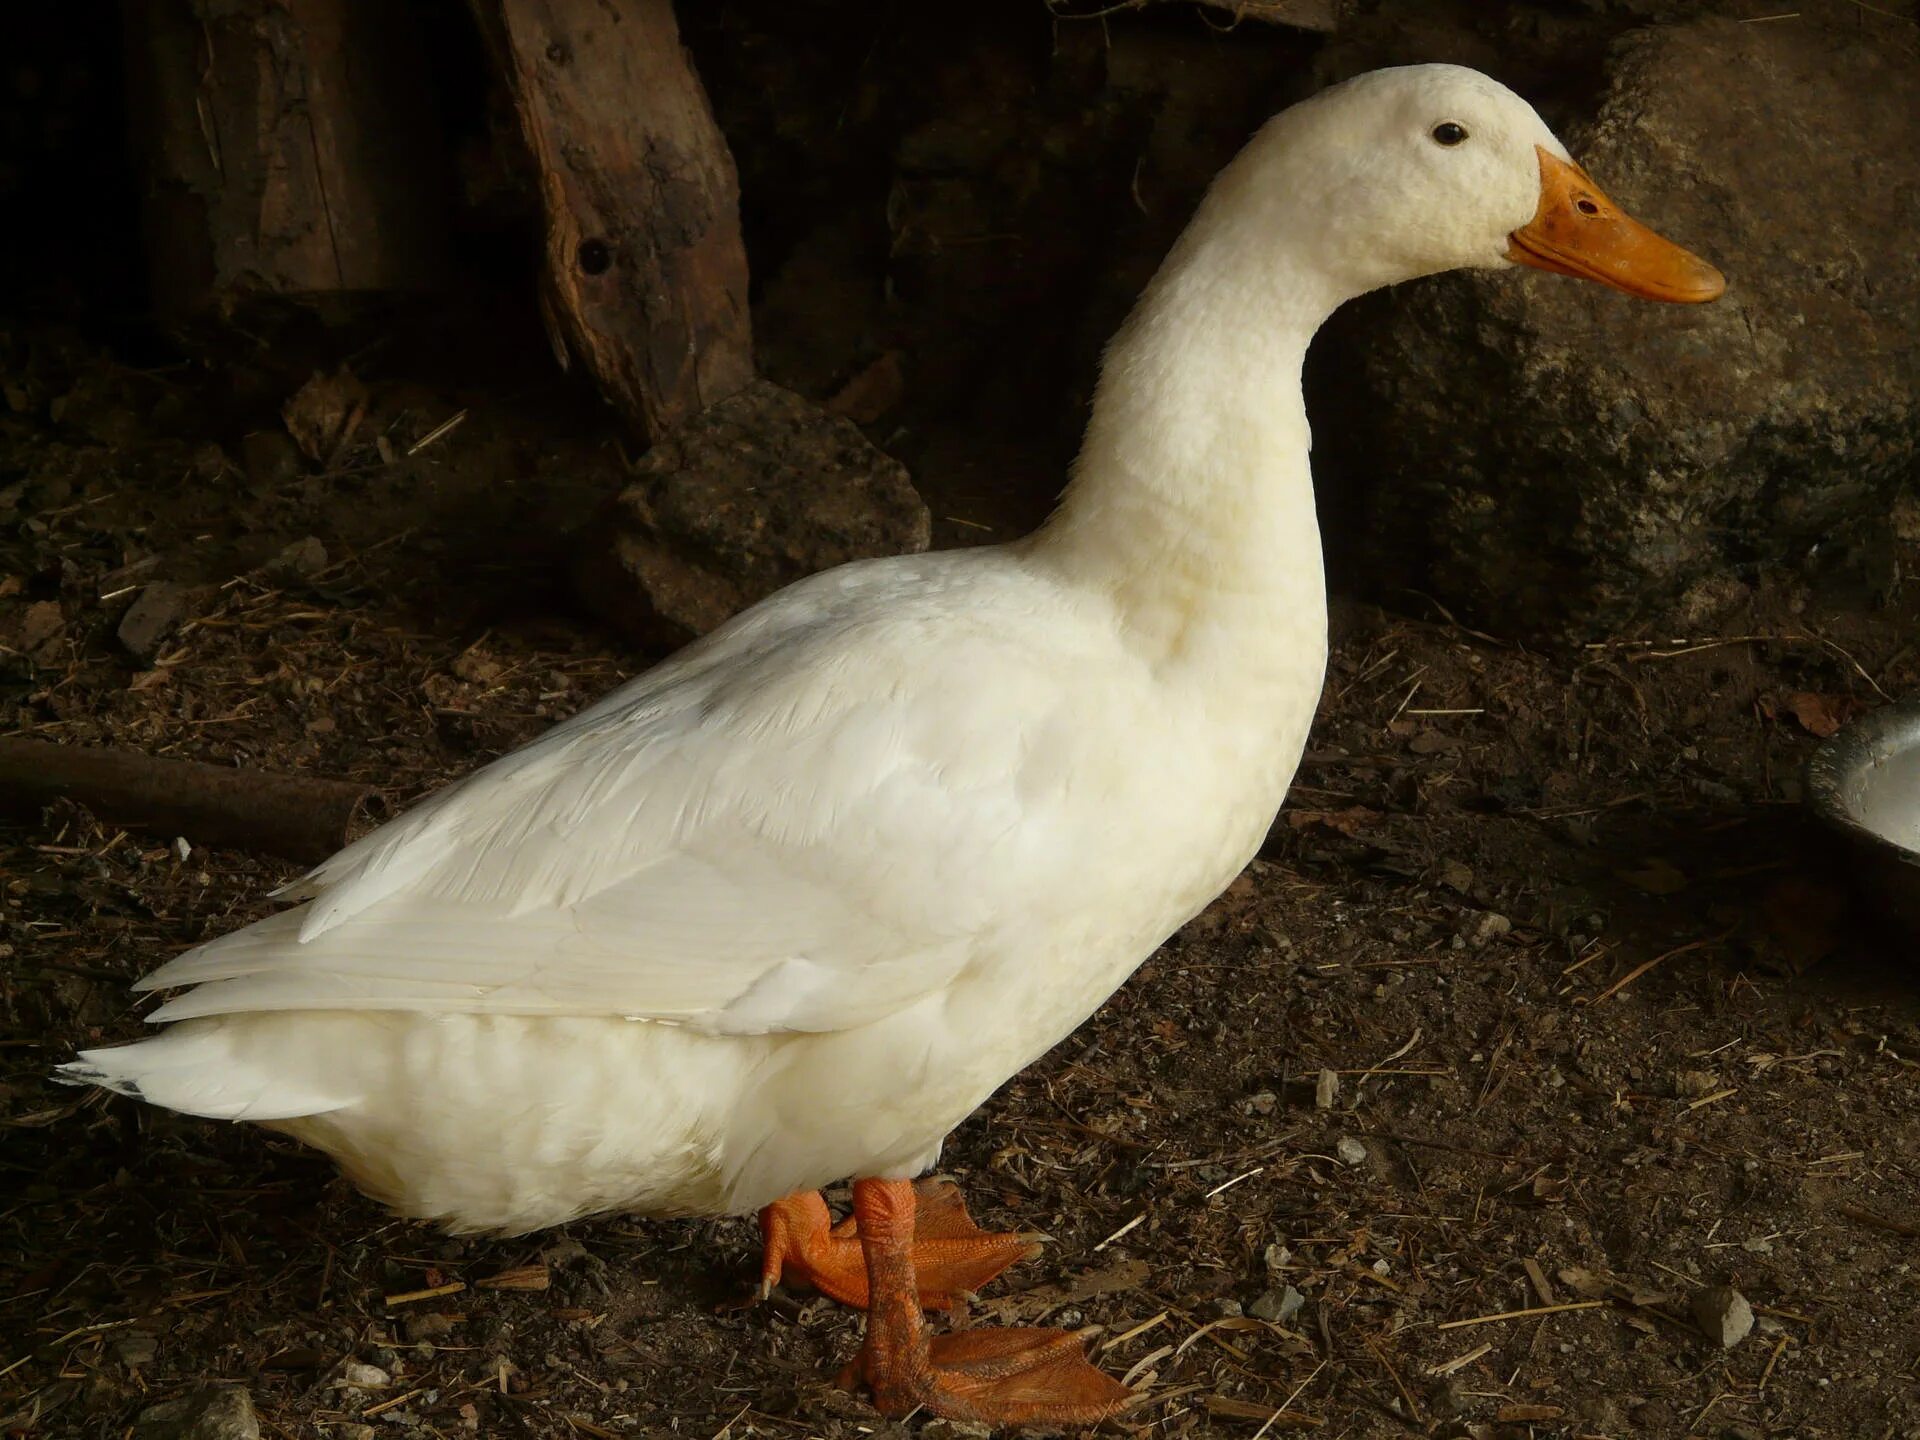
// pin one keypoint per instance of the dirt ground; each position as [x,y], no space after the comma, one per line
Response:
[1543,998]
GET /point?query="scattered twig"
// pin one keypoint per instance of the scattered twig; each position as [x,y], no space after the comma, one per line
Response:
[1121,1231]
[1378,1067]
[1225,1407]
[1413,1406]
[1716,1095]
[1882,1222]
[432,1292]
[439,432]
[1142,1328]
[396,1402]
[1459,1362]
[1538,1279]
[1526,1314]
[1229,1184]
[1642,968]
[1298,1391]
[1779,1349]
[521,1277]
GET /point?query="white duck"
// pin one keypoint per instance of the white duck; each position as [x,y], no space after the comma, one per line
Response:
[788,907]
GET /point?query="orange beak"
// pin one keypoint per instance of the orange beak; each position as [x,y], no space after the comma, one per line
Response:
[1578,231]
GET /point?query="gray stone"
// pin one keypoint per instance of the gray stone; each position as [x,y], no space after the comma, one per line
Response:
[1490,926]
[430,1325]
[301,560]
[151,618]
[38,630]
[211,1413]
[1350,1151]
[1553,456]
[1723,1315]
[748,496]
[1277,1306]
[361,1376]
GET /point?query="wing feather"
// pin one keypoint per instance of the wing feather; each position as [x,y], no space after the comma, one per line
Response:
[800,826]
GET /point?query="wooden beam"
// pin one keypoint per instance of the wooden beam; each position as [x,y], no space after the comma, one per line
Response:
[286,149]
[646,276]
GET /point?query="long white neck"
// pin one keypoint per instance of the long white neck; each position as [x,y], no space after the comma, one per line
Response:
[1191,503]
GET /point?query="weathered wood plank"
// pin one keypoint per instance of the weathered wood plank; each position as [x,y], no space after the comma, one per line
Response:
[646,280]
[287,149]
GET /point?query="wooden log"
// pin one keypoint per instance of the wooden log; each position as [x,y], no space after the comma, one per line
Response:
[287,148]
[297,817]
[646,275]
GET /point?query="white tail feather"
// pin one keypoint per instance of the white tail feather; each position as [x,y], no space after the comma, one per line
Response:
[197,1069]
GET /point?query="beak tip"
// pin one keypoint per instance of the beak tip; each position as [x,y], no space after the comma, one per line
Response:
[1711,285]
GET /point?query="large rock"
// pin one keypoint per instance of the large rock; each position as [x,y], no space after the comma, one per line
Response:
[1555,457]
[746,497]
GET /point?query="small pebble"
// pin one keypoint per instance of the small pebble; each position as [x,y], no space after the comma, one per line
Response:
[1491,926]
[363,1377]
[1692,1084]
[1326,1089]
[1350,1151]
[1723,1315]
[1277,1306]
[430,1325]
[1278,1257]
[299,560]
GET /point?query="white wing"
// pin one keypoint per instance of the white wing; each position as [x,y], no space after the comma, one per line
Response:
[805,822]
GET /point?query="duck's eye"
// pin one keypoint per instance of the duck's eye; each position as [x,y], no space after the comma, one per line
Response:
[1449,134]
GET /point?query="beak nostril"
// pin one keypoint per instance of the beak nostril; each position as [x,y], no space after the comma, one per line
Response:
[1586,206]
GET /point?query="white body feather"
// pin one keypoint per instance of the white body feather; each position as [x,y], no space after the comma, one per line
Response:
[791,905]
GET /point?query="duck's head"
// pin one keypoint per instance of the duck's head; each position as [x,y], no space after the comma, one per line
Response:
[1407,172]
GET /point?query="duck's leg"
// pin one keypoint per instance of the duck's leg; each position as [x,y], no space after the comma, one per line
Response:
[1002,1377]
[951,1254]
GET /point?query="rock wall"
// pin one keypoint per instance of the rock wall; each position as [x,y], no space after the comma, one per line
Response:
[1554,458]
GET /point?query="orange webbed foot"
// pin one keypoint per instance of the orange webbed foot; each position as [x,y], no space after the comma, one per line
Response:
[951,1255]
[1001,1377]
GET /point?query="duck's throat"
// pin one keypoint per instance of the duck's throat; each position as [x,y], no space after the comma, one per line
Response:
[1191,503]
